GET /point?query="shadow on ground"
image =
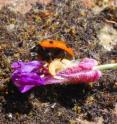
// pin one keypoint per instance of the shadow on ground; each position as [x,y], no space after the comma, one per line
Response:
[65,95]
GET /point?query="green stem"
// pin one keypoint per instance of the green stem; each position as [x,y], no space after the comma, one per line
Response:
[106,66]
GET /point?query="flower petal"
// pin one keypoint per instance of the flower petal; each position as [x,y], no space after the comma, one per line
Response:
[26,66]
[87,63]
[84,76]
[26,75]
[26,88]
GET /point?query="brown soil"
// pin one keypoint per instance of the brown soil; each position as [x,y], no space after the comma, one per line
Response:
[77,24]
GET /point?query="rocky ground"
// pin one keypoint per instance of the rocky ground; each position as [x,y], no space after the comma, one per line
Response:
[90,28]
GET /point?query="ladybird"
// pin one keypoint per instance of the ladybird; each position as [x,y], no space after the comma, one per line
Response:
[57,45]
[50,49]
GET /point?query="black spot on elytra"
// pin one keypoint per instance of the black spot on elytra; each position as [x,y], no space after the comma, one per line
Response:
[51,42]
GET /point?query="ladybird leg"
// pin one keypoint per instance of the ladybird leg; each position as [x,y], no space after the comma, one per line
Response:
[33,51]
[50,56]
[64,54]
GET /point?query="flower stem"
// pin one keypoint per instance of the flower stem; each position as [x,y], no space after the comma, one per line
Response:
[106,66]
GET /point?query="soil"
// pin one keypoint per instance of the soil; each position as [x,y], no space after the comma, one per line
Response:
[79,26]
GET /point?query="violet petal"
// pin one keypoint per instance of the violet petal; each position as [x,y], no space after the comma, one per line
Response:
[87,63]
[26,88]
[84,76]
[26,76]
[81,72]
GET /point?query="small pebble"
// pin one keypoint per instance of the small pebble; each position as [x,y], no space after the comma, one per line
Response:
[10,27]
[53,106]
[9,116]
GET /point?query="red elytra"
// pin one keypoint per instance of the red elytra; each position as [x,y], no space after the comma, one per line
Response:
[56,44]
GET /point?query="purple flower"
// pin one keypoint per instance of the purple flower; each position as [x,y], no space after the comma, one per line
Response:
[80,72]
[27,75]
[83,72]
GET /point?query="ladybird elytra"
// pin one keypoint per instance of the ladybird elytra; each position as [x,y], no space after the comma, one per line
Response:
[56,44]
